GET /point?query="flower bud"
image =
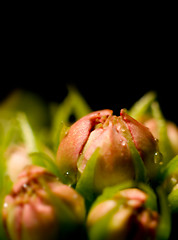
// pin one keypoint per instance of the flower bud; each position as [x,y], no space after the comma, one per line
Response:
[17,158]
[172,132]
[41,207]
[123,216]
[110,134]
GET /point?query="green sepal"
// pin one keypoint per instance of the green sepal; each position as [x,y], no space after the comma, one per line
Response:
[140,170]
[80,106]
[170,168]
[60,134]
[164,142]
[28,136]
[151,201]
[85,184]
[73,104]
[173,201]
[142,106]
[109,192]
[43,160]
[99,230]
[18,130]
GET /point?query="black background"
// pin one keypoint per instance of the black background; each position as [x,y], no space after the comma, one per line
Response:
[113,61]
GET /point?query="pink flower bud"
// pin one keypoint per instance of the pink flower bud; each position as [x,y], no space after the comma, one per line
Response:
[125,215]
[39,205]
[103,130]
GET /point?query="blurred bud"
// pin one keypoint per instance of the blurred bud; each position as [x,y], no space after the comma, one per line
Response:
[124,216]
[17,158]
[41,207]
[107,132]
[172,132]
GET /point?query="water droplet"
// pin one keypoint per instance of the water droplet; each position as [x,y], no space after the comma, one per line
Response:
[25,185]
[66,132]
[67,173]
[123,143]
[5,205]
[173,181]
[158,158]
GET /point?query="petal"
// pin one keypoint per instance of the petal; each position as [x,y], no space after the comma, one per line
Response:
[144,141]
[72,144]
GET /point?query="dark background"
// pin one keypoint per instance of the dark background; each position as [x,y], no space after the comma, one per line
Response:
[113,61]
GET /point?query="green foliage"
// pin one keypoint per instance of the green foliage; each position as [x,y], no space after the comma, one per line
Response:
[148,108]
[164,142]
[142,106]
[164,228]
[73,105]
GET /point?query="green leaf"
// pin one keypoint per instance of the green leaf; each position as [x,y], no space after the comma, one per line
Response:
[73,104]
[170,168]
[61,116]
[30,104]
[173,200]
[142,106]
[85,184]
[27,133]
[151,201]
[164,228]
[109,192]
[99,230]
[80,106]
[164,143]
[60,134]
[43,160]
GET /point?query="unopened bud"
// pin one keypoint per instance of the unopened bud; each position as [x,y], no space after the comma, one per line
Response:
[41,207]
[110,134]
[124,216]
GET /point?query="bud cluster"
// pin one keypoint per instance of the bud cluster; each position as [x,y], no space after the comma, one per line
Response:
[103,177]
